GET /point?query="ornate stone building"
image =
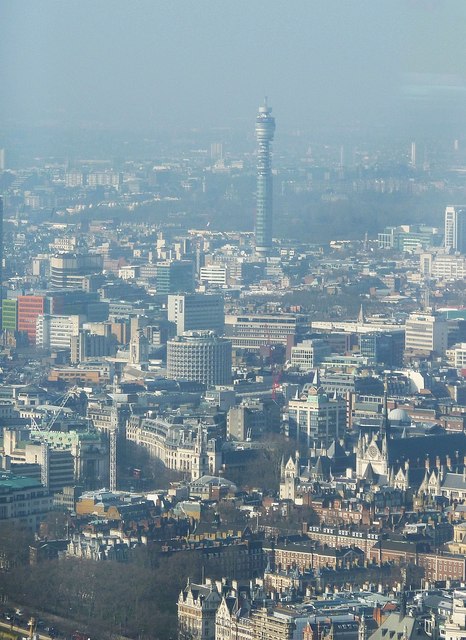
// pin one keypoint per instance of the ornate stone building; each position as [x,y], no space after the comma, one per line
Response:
[197,607]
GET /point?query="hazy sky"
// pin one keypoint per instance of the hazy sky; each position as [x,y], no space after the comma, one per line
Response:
[149,63]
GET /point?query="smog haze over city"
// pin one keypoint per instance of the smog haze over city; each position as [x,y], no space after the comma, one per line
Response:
[151,66]
[233,320]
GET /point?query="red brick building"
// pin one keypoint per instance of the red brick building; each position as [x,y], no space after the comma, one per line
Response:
[437,566]
[306,555]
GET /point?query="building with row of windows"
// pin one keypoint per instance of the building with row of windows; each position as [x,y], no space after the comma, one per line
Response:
[408,238]
[68,270]
[175,276]
[56,332]
[199,356]
[23,500]
[196,311]
[210,611]
[253,331]
[184,448]
[307,355]
[455,228]
[60,458]
[456,356]
[51,315]
[443,266]
[316,418]
[426,333]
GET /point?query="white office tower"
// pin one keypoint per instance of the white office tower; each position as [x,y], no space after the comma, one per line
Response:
[308,354]
[455,228]
[196,311]
[426,334]
[56,332]
[199,356]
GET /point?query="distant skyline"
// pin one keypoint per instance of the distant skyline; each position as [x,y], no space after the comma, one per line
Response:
[155,65]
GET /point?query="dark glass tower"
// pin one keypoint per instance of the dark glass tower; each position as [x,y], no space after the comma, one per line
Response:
[265,128]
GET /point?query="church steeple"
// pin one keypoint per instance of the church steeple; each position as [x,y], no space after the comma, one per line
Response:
[361,316]
[385,425]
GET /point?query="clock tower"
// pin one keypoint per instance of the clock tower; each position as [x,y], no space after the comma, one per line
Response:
[373,450]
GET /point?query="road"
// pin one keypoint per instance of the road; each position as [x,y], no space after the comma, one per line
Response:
[5,626]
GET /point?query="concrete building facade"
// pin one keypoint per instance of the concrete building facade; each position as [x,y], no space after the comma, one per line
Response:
[199,356]
[316,417]
[197,311]
[426,334]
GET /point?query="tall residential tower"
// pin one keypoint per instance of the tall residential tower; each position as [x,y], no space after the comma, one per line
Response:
[265,128]
[455,228]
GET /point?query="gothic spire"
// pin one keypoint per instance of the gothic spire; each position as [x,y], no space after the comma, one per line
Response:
[361,316]
[385,426]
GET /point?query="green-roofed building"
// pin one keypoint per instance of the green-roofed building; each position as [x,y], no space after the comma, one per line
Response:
[9,314]
[23,500]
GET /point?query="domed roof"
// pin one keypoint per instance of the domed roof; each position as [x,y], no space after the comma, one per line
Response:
[400,416]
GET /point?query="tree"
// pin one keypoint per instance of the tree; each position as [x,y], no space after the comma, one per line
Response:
[14,545]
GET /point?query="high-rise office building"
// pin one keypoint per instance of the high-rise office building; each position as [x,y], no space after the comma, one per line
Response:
[56,332]
[455,228]
[309,354]
[426,334]
[255,331]
[265,128]
[29,308]
[199,356]
[383,346]
[10,314]
[194,311]
[317,417]
[68,270]
[89,346]
[175,276]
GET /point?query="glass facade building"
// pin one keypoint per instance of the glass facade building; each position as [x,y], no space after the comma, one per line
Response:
[176,276]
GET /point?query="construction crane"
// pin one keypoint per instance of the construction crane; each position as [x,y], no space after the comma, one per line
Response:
[114,429]
[40,429]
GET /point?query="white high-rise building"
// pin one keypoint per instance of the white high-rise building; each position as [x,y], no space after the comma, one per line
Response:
[316,417]
[196,311]
[306,355]
[443,266]
[56,332]
[455,228]
[426,333]
[215,275]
